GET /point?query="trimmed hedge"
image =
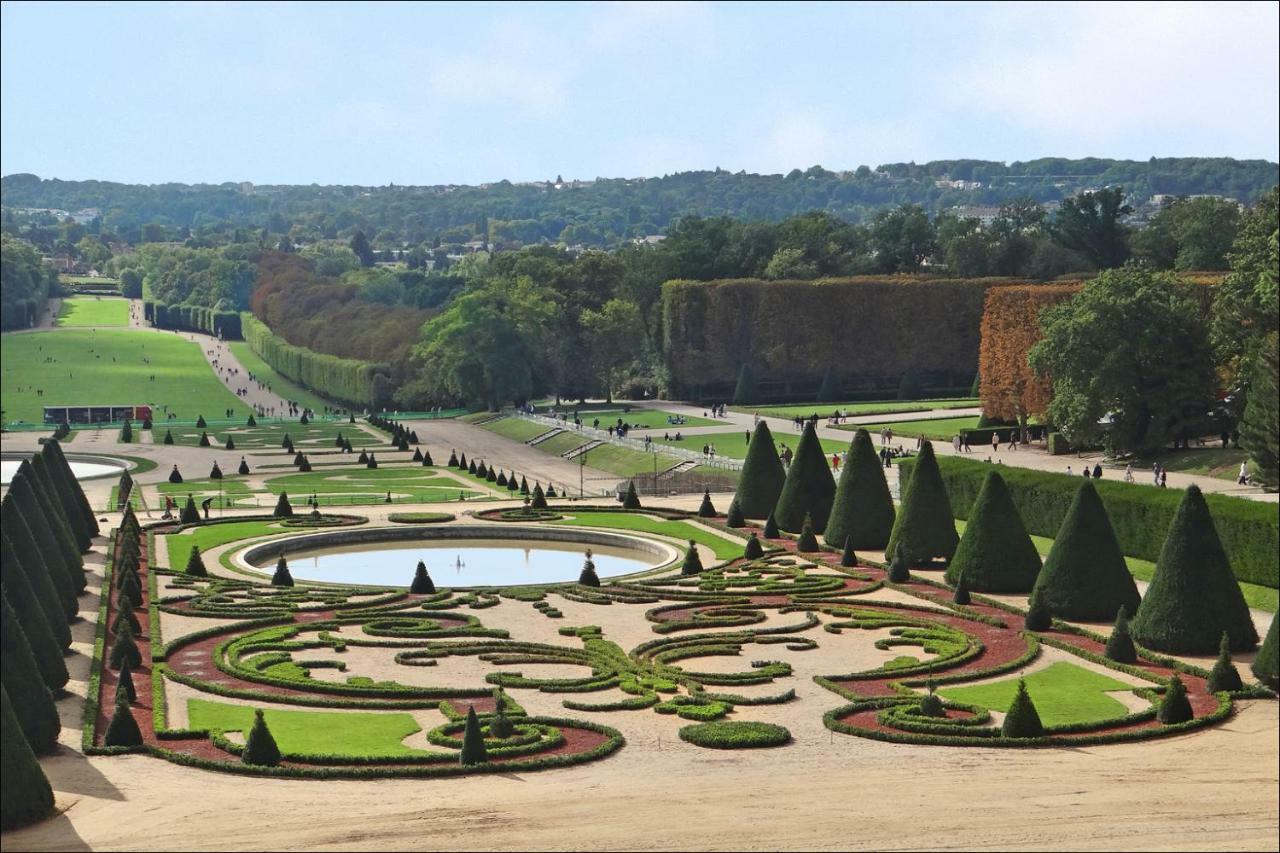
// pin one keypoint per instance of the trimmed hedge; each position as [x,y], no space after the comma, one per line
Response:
[735,734]
[195,318]
[341,378]
[1141,515]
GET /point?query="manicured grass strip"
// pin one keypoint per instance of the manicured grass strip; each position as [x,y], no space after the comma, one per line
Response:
[93,311]
[516,429]
[105,368]
[874,407]
[264,372]
[561,444]
[649,419]
[626,462]
[351,734]
[1063,694]
[733,444]
[725,549]
[940,429]
[179,544]
[269,434]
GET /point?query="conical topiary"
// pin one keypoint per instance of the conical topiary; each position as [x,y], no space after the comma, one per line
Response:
[734,517]
[125,647]
[32,701]
[524,485]
[283,508]
[501,479]
[538,500]
[925,524]
[25,796]
[46,502]
[744,393]
[252,421]
[231,444]
[282,577]
[830,391]
[500,725]
[426,460]
[551,491]
[931,705]
[1022,720]
[1120,646]
[1039,614]
[168,438]
[124,681]
[1224,675]
[995,553]
[244,467]
[771,528]
[900,566]
[863,508]
[453,459]
[287,443]
[125,613]
[298,458]
[189,514]
[260,748]
[422,583]
[807,543]
[1085,576]
[201,423]
[1175,707]
[692,562]
[28,560]
[22,503]
[808,489]
[706,509]
[363,458]
[215,473]
[45,649]
[195,563]
[762,477]
[1266,665]
[961,595]
[588,577]
[204,439]
[848,558]
[417,455]
[1193,597]
[512,485]
[473,751]
[753,550]
[631,500]
[123,729]
[77,493]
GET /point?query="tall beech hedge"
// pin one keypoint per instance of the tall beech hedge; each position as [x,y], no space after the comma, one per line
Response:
[195,318]
[1141,515]
[346,379]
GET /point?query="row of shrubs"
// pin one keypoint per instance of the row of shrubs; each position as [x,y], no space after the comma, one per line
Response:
[361,382]
[194,318]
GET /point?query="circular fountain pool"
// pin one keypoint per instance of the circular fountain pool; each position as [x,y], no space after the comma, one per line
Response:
[460,556]
[81,470]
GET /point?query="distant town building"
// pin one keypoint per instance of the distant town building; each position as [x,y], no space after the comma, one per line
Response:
[948,184]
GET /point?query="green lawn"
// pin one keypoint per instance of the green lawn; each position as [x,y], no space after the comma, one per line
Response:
[725,549]
[734,444]
[939,429]
[87,279]
[93,311]
[179,544]
[1063,694]
[341,487]
[1210,461]
[286,388]
[561,444]
[516,429]
[107,367]
[874,407]
[624,461]
[354,734]
[639,418]
[319,435]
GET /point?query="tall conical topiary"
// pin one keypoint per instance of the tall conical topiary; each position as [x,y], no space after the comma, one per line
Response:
[734,517]
[500,725]
[588,576]
[1193,597]
[190,514]
[706,509]
[453,459]
[215,473]
[231,444]
[260,748]
[282,576]
[1266,665]
[753,550]
[25,796]
[551,491]
[32,700]
[55,517]
[131,588]
[809,488]
[252,421]
[21,503]
[204,440]
[244,467]
[473,751]
[925,524]
[1120,646]
[1022,720]
[631,500]
[77,492]
[1085,576]
[995,553]
[807,543]
[863,508]
[195,563]
[201,423]
[745,393]
[168,437]
[1175,707]
[66,510]
[762,477]
[830,391]
[125,647]
[16,589]
[692,562]
[1224,675]
[283,508]
[422,583]
[30,563]
[124,681]
[426,460]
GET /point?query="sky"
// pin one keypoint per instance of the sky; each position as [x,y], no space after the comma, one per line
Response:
[466,93]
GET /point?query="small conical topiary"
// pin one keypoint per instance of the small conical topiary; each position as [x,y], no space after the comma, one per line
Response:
[175,476]
[631,500]
[260,748]
[1039,614]
[500,725]
[422,583]
[501,479]
[32,701]
[744,393]
[215,473]
[123,729]
[925,523]
[1266,666]
[168,437]
[252,421]
[961,595]
[204,440]
[125,647]
[473,751]
[426,460]
[899,566]
[25,796]
[808,541]
[471,468]
[1193,597]
[373,461]
[524,485]
[244,467]
[551,491]
[753,549]
[125,613]
[304,466]
[466,466]
[338,442]
[453,459]
[363,458]
[1175,707]
[863,508]
[195,563]
[124,682]
[931,705]
[809,489]
[848,558]
[588,577]
[706,509]
[1120,646]
[762,477]
[512,485]
[417,455]
[1224,675]
[771,528]
[200,422]
[995,553]
[287,443]
[190,514]
[692,562]
[734,517]
[298,458]
[131,589]
[231,443]
[282,576]
[283,508]
[1085,576]
[538,500]
[1022,719]
[304,420]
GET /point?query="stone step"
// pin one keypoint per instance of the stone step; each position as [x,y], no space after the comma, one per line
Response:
[580,449]
[538,439]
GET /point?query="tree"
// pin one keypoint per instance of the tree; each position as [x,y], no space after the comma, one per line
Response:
[1120,646]
[1224,675]
[1266,665]
[808,542]
[1174,707]
[360,246]
[1246,305]
[925,525]
[734,517]
[260,748]
[753,550]
[32,702]
[283,508]
[29,562]
[830,391]
[1090,224]
[125,647]
[195,565]
[706,509]
[539,498]
[1260,426]
[473,751]
[54,450]
[282,577]
[902,238]
[1039,617]
[961,594]
[16,589]
[422,583]
[1085,576]
[631,500]
[588,577]
[809,489]
[190,514]
[899,565]
[762,477]
[1129,346]
[745,392]
[125,613]
[862,512]
[25,796]
[1189,234]
[23,505]
[1022,720]
[615,338]
[771,527]
[124,682]
[692,562]
[995,553]
[1193,597]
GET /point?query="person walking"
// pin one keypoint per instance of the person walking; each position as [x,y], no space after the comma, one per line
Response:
[995,442]
[1164,479]
[1128,473]
[1243,479]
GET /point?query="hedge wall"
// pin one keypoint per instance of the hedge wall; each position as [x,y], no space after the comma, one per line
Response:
[194,318]
[1250,530]
[869,329]
[360,382]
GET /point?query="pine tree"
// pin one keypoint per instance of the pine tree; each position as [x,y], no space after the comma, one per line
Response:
[260,748]
[771,528]
[1175,707]
[282,577]
[1260,426]
[28,562]
[1022,720]
[125,647]
[734,517]
[961,595]
[809,487]
[745,393]
[1193,597]
[45,649]
[473,751]
[1039,614]
[925,524]
[124,681]
[32,701]
[1120,646]
[807,543]
[422,583]
[283,508]
[863,508]
[190,514]
[900,566]
[195,564]
[25,796]
[995,553]
[706,509]
[632,500]
[1266,665]
[762,476]
[1224,675]
[692,562]
[1085,576]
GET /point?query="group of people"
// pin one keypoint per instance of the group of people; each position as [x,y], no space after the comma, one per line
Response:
[1096,473]
[718,410]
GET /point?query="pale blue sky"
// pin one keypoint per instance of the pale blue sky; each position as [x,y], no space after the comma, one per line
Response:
[466,93]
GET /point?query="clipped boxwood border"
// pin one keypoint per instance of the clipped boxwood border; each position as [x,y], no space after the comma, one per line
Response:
[421,517]
[735,734]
